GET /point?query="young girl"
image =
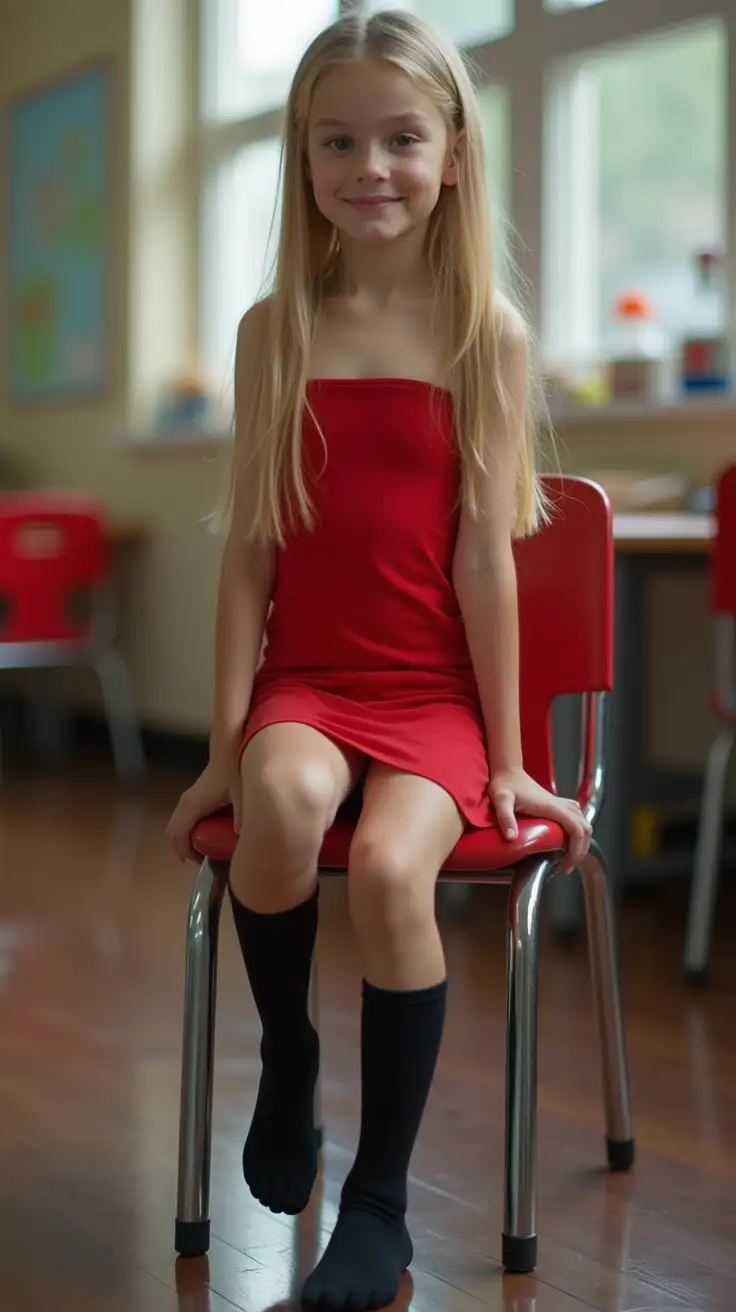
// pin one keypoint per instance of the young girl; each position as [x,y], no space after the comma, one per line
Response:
[384,462]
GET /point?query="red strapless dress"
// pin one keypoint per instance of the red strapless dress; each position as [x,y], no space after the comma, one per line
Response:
[365,640]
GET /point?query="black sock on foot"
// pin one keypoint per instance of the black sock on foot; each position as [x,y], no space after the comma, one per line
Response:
[280,1153]
[370,1247]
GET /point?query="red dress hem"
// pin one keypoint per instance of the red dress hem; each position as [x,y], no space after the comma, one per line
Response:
[451,761]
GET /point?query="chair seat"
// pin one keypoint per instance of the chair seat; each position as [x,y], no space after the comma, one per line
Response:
[481,855]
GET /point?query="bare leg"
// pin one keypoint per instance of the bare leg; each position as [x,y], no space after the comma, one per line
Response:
[294,780]
[408,828]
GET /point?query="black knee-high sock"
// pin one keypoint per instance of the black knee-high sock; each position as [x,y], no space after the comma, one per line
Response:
[370,1246]
[280,1153]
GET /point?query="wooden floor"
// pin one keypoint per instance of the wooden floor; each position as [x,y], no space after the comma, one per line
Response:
[91,963]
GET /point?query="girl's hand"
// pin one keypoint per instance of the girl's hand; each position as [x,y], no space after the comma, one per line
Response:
[514,792]
[217,786]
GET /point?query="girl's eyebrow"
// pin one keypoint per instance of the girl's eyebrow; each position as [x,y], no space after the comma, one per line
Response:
[413,116]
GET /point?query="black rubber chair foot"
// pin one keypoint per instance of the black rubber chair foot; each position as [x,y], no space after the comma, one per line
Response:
[192,1238]
[696,976]
[621,1154]
[519,1256]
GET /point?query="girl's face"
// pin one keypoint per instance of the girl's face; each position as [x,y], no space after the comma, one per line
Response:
[378,151]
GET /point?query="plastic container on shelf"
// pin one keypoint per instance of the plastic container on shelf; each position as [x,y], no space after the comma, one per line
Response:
[640,361]
[704,357]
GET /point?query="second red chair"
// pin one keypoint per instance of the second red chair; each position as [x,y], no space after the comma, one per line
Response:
[56,607]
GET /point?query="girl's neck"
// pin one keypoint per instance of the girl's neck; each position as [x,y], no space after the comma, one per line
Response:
[396,271]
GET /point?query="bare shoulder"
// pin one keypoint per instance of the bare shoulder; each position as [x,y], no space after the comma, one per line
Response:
[513,331]
[253,327]
[251,341]
[512,357]
[256,318]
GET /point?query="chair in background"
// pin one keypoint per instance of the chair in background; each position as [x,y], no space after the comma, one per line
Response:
[56,604]
[565,577]
[712,810]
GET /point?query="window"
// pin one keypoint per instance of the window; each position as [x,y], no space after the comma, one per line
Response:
[252,48]
[494,111]
[661,169]
[605,127]
[636,151]
[466,21]
[240,229]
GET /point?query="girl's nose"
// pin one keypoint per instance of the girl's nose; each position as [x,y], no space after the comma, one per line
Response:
[372,163]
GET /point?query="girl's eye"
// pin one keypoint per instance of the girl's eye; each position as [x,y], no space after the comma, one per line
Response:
[338,144]
[404,139]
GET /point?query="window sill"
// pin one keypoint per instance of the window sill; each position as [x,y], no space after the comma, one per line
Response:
[177,440]
[682,410]
[150,441]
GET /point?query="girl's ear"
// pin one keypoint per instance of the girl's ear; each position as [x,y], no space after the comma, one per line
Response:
[450,174]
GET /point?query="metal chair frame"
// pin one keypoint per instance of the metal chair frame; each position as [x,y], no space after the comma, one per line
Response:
[527,881]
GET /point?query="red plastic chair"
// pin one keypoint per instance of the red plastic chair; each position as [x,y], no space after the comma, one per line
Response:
[712,810]
[55,604]
[565,577]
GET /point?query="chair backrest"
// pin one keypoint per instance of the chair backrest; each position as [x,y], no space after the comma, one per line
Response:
[53,554]
[724,555]
[565,581]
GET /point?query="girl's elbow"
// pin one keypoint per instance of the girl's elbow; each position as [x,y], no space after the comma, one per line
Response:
[494,564]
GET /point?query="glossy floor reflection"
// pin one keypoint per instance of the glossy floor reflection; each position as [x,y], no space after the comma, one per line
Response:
[91,972]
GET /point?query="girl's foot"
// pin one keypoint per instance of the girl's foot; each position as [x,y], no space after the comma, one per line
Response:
[280,1157]
[362,1265]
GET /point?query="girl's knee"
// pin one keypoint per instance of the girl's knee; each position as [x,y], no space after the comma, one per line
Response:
[287,807]
[390,894]
[291,793]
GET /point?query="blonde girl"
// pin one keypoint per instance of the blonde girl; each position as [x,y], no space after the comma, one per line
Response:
[384,462]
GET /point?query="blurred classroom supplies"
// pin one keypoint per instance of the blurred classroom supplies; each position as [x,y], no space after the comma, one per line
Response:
[633,490]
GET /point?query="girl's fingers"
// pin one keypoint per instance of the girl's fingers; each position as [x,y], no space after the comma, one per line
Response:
[179,832]
[580,833]
[505,815]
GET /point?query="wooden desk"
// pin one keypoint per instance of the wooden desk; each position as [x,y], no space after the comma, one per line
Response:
[645,544]
[663,534]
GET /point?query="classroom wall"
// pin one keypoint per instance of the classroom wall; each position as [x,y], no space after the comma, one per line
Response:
[170,582]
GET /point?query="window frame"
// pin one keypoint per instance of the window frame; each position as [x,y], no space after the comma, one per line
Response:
[535,64]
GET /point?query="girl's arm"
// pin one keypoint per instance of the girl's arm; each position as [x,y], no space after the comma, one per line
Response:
[247,574]
[484,576]
[484,571]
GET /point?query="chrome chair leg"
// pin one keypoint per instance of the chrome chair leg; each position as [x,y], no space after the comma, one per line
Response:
[125,735]
[704,885]
[607,1002]
[192,1231]
[524,907]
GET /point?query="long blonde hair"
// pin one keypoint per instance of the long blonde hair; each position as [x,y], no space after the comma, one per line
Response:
[460,258]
